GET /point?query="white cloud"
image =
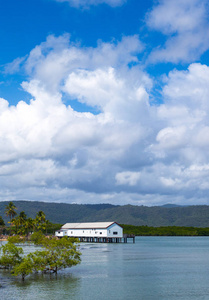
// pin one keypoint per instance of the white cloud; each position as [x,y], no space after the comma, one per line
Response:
[56,146]
[189,87]
[127,178]
[110,92]
[184,115]
[130,152]
[176,16]
[88,3]
[172,137]
[185,24]
[52,61]
[14,66]
[169,182]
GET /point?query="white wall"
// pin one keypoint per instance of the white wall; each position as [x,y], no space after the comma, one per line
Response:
[113,229]
[109,232]
[61,233]
[87,232]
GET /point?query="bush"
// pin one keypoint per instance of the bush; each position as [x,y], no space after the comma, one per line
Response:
[11,256]
[16,239]
[57,254]
[37,238]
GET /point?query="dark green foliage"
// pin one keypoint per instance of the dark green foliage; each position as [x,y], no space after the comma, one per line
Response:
[165,231]
[196,216]
[51,228]
[10,210]
[1,221]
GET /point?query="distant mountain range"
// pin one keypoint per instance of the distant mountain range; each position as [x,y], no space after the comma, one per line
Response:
[167,215]
[168,205]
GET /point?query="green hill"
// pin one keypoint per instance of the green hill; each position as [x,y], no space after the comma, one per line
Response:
[197,216]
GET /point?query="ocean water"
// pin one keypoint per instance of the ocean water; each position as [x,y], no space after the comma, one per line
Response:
[164,268]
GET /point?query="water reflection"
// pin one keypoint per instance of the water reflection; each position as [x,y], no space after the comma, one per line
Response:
[37,286]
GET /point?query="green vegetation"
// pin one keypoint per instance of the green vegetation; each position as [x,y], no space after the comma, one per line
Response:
[165,231]
[10,210]
[56,255]
[60,213]
[37,238]
[23,225]
[10,256]
[16,239]
[181,221]
[2,222]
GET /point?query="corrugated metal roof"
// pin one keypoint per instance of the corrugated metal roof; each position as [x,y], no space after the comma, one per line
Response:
[87,225]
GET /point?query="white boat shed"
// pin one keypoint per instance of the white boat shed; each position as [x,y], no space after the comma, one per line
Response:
[93,232]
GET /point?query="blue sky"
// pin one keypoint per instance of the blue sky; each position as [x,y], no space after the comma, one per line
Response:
[104,101]
[28,23]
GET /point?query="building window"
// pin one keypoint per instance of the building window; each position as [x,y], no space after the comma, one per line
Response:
[71,232]
[109,231]
[115,232]
[100,232]
[83,231]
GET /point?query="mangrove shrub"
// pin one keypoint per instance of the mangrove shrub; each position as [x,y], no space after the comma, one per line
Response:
[56,255]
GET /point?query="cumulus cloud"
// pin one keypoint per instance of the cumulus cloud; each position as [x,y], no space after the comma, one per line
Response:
[108,91]
[53,60]
[129,152]
[184,136]
[127,178]
[88,3]
[184,23]
[57,146]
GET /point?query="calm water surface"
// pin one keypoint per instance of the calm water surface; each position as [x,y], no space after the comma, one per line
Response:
[164,268]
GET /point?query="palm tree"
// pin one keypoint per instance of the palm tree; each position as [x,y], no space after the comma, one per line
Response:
[41,215]
[10,210]
[29,225]
[22,221]
[1,221]
[15,222]
[40,220]
[2,224]
[22,217]
[47,224]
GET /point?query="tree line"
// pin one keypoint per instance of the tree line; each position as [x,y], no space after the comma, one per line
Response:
[165,230]
[22,225]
